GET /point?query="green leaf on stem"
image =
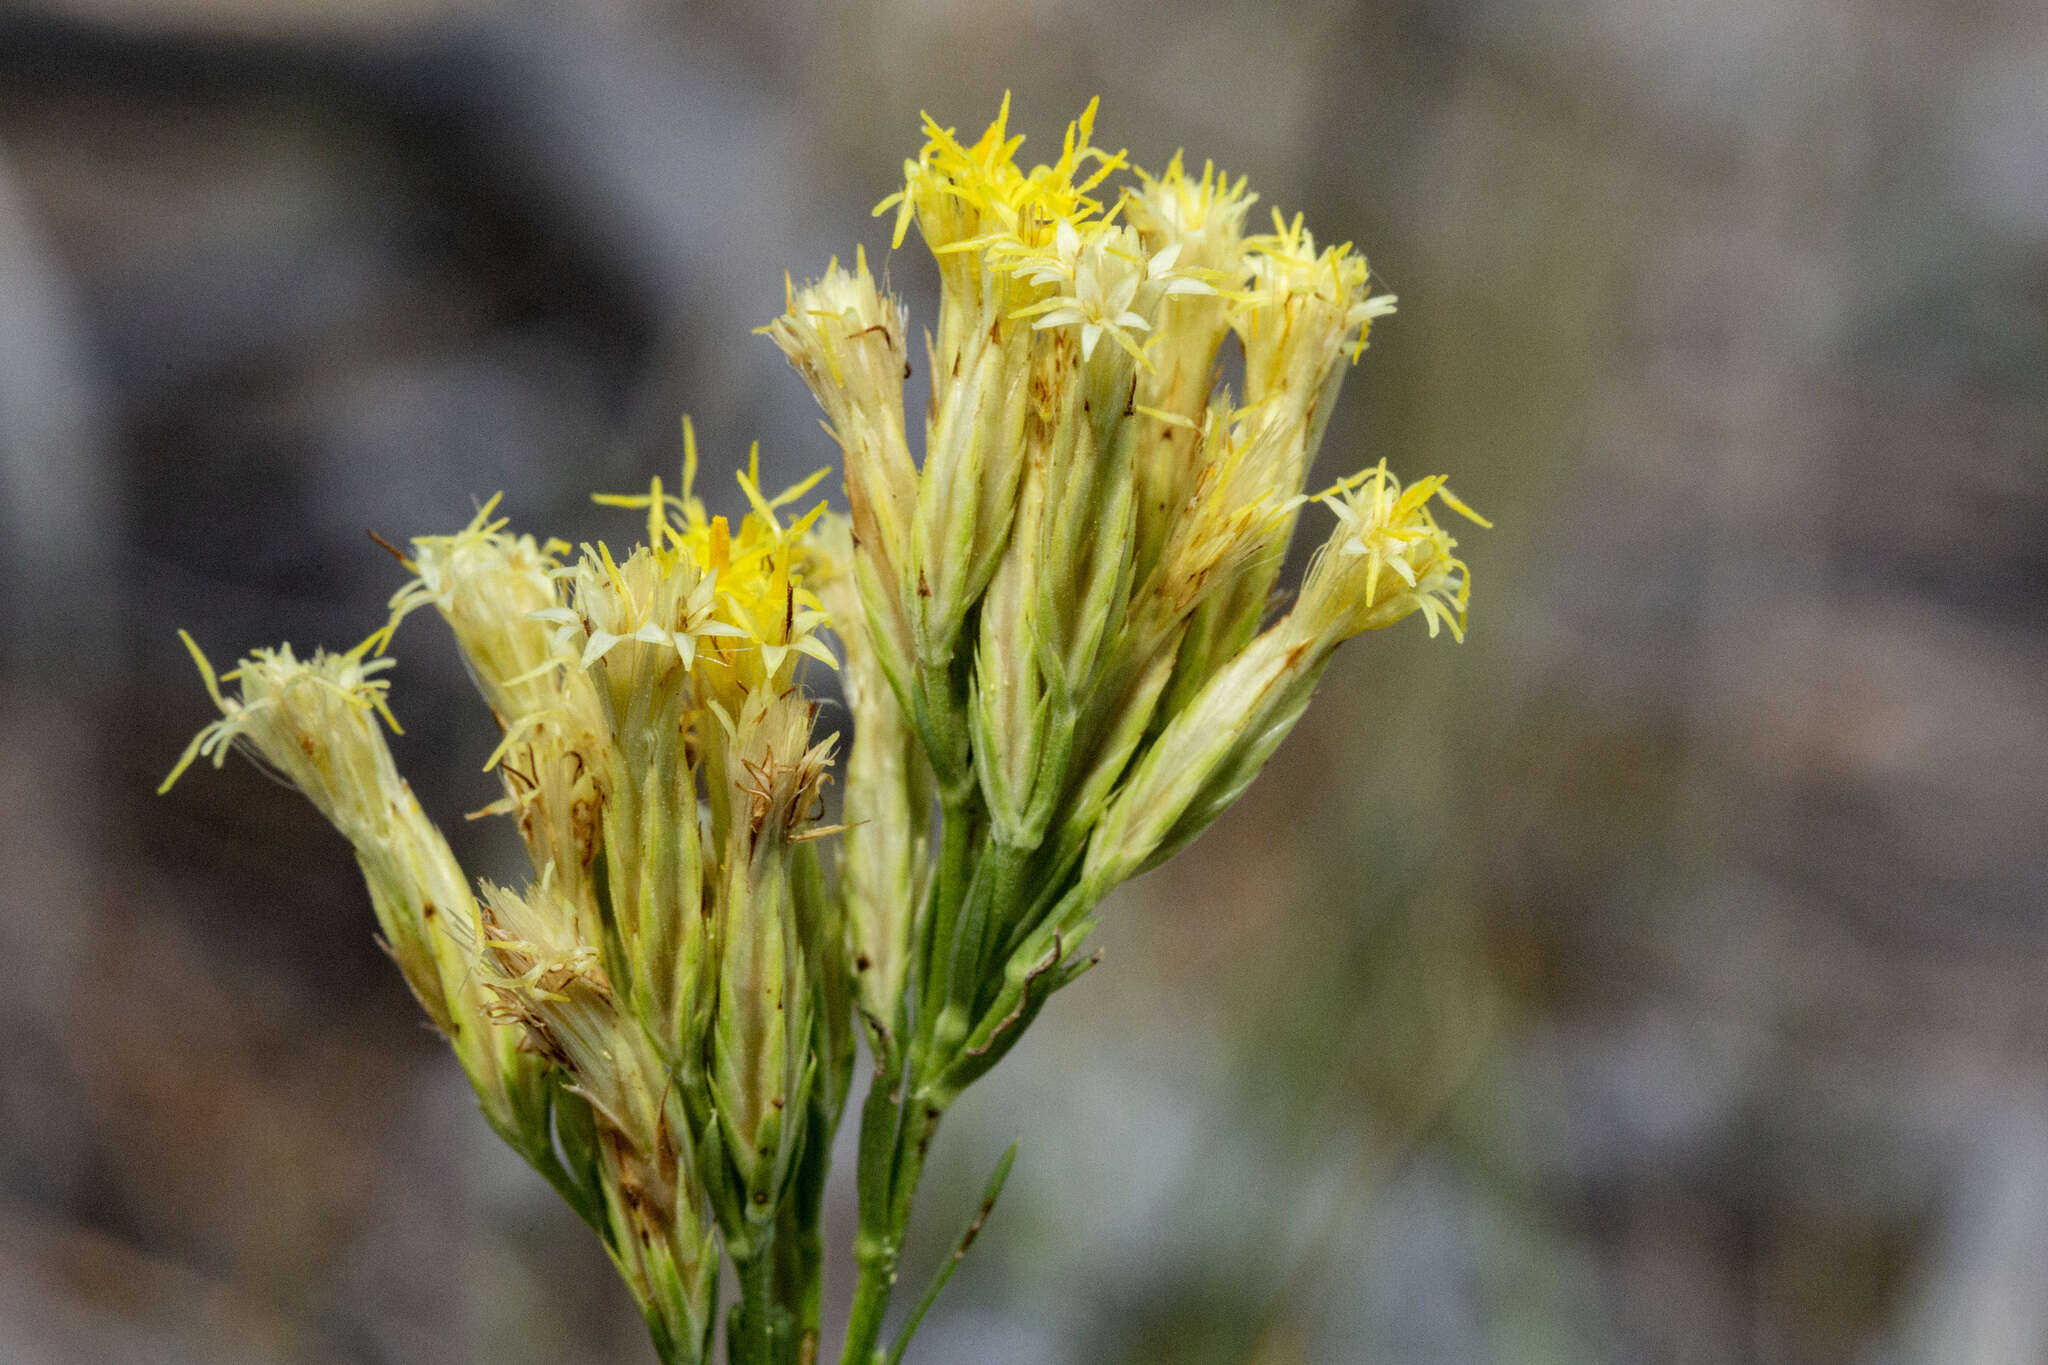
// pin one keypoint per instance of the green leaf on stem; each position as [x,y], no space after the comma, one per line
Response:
[946,1268]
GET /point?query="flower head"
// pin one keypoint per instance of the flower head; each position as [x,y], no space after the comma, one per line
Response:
[487,583]
[1388,558]
[1302,302]
[314,721]
[962,195]
[1101,280]
[1203,215]
[731,605]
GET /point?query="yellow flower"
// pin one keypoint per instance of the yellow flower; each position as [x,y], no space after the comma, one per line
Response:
[696,586]
[493,589]
[1205,216]
[1096,280]
[962,194]
[1301,299]
[313,720]
[1388,558]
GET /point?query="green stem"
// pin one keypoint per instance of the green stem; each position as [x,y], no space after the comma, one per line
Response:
[799,1243]
[958,812]
[750,1333]
[876,1243]
[1003,868]
[876,1273]
[901,1113]
[879,1245]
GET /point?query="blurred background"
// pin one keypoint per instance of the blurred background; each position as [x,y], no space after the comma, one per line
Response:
[1660,977]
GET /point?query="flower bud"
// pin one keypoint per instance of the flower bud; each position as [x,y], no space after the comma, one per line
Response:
[496,591]
[885,849]
[553,986]
[1205,757]
[315,723]
[849,342]
[1202,220]
[487,585]
[761,1064]
[1387,559]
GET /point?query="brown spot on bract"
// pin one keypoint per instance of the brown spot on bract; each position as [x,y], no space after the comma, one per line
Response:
[583,826]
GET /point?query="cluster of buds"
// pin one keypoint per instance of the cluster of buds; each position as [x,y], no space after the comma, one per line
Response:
[658,1020]
[1060,661]
[1065,601]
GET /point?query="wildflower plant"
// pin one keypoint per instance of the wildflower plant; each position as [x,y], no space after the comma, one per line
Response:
[1059,653]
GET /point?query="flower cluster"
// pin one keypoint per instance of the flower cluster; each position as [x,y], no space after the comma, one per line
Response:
[1066,636]
[1059,652]
[1067,595]
[644,1018]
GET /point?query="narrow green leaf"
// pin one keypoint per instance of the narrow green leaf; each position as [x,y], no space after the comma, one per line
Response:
[989,1194]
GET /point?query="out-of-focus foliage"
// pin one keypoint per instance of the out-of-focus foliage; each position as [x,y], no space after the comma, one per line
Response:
[1663,975]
